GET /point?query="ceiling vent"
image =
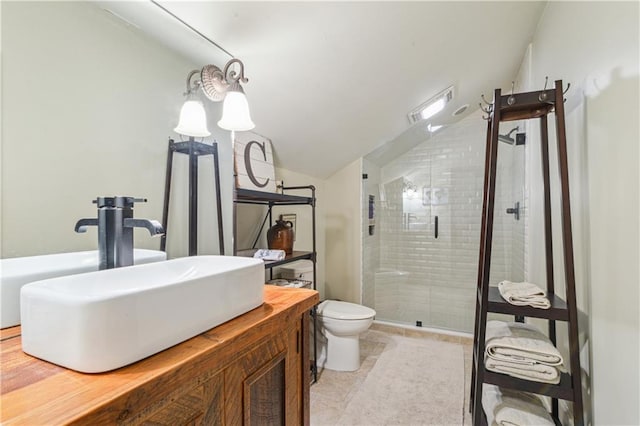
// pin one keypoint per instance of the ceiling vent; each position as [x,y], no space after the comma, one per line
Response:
[460,110]
[431,107]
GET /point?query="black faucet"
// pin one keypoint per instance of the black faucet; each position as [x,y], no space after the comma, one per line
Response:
[115,224]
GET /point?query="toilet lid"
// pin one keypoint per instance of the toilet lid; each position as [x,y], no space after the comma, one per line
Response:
[344,310]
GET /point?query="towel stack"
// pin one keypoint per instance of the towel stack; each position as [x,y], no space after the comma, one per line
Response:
[266,254]
[524,294]
[520,350]
[283,282]
[505,407]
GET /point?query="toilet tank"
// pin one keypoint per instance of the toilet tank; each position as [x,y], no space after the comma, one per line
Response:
[301,269]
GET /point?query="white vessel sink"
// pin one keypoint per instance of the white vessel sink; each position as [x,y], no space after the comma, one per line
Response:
[104,320]
[14,273]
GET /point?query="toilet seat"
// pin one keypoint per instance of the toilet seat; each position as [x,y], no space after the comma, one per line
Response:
[344,310]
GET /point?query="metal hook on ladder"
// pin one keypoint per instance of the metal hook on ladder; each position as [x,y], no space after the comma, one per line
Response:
[565,92]
[488,110]
[511,99]
[543,95]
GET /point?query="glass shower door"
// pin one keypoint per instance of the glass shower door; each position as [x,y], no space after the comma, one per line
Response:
[416,247]
[401,290]
[456,199]
[428,224]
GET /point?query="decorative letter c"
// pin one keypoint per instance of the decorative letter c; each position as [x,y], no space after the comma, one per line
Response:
[247,162]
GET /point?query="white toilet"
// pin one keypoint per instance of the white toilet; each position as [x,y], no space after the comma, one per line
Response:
[341,324]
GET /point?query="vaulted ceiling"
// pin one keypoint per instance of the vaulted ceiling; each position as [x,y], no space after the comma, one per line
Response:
[330,82]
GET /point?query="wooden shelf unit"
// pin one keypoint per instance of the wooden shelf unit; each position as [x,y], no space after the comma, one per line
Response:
[519,106]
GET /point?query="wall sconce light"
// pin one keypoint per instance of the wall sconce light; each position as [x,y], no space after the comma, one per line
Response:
[217,85]
[409,189]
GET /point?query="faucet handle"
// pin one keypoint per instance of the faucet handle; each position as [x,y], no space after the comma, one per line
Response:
[153,226]
[118,201]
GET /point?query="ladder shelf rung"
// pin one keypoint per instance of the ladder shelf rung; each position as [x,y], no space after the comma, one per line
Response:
[497,304]
[563,390]
[483,420]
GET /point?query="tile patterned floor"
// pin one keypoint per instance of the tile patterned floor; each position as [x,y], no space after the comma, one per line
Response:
[334,390]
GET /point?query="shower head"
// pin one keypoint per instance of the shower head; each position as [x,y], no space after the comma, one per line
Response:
[519,140]
[507,138]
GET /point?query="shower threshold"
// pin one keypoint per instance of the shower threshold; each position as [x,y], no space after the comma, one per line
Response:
[399,328]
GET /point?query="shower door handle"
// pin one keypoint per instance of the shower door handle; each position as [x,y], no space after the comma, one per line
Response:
[436,227]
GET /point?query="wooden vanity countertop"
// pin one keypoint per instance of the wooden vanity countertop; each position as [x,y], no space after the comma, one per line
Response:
[38,392]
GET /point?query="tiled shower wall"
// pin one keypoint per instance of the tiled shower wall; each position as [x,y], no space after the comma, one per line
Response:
[409,275]
[517,175]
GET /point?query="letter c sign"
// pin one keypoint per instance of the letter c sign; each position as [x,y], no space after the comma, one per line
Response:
[247,162]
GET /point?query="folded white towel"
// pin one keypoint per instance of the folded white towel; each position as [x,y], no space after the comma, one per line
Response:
[524,294]
[520,343]
[521,350]
[534,372]
[506,407]
[266,254]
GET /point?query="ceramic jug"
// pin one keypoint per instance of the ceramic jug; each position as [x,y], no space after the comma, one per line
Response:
[280,236]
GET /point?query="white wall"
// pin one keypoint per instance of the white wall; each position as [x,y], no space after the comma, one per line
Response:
[88,105]
[594,46]
[343,234]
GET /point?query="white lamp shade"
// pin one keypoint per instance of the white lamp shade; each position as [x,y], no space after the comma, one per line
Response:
[235,112]
[193,120]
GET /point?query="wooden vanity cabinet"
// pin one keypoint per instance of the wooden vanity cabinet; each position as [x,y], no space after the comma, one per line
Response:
[252,370]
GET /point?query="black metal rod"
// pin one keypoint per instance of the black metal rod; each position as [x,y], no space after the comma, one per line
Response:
[167,192]
[270,214]
[286,188]
[234,244]
[313,228]
[216,167]
[264,221]
[193,199]
[436,227]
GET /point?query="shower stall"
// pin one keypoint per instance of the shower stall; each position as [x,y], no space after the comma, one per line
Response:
[421,225]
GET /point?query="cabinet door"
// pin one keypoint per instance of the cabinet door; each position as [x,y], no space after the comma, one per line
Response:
[265,393]
[265,386]
[257,379]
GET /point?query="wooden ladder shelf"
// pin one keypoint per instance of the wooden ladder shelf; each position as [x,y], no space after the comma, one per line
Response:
[519,106]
